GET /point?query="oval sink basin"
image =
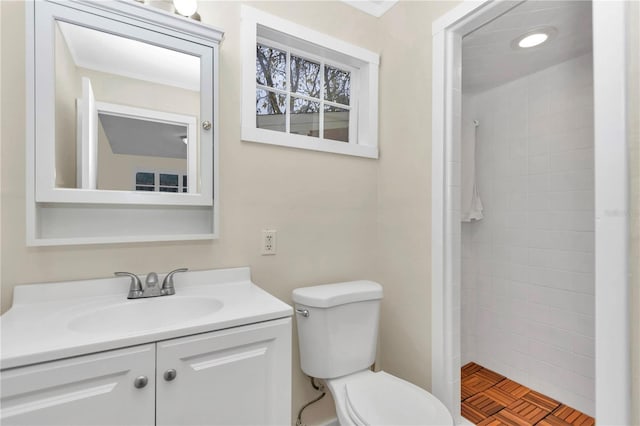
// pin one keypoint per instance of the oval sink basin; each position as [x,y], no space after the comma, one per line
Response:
[145,314]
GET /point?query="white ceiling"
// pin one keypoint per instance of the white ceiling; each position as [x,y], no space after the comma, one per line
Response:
[376,8]
[152,139]
[112,54]
[489,60]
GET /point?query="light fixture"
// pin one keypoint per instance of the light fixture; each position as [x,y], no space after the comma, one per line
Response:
[534,38]
[185,7]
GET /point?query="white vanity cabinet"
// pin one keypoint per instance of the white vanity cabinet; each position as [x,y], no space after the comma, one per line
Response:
[237,376]
[88,390]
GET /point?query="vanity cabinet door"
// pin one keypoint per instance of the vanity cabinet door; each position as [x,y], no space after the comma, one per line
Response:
[238,376]
[87,390]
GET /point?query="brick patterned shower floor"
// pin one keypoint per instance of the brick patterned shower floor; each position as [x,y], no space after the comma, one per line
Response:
[490,399]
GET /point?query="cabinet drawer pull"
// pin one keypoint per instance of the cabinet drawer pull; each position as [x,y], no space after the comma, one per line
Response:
[170,374]
[140,382]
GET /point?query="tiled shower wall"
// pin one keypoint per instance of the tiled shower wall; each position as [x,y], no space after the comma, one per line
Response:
[527,268]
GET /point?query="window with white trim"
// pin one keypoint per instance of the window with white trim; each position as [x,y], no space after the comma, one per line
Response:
[305,89]
[160,181]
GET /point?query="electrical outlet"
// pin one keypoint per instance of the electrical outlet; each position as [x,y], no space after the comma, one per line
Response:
[268,241]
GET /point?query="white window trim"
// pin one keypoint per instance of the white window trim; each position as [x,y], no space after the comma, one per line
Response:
[258,26]
[353,96]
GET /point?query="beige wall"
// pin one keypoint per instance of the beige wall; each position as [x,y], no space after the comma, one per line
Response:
[404,188]
[633,114]
[117,89]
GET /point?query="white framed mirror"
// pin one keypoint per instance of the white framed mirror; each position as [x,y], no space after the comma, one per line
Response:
[112,99]
[121,124]
[115,143]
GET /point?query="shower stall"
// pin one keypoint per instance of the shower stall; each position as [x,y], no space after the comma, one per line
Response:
[527,200]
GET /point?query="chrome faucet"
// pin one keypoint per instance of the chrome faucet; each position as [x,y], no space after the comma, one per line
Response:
[151,287]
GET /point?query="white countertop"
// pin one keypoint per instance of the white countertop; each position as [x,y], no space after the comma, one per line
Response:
[37,327]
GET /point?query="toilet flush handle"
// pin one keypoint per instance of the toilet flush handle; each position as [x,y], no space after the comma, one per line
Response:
[303,312]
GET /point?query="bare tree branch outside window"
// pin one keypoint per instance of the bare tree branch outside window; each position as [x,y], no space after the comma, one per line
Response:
[304,90]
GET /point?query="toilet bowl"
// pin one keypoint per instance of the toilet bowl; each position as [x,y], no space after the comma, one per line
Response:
[368,398]
[337,336]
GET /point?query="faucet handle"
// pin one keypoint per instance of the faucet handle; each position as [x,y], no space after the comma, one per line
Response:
[167,283]
[135,288]
[151,280]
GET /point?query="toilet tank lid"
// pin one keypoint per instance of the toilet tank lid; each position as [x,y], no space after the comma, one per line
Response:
[328,295]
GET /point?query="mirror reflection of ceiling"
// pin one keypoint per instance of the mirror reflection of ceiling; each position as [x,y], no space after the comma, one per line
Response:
[108,53]
[152,139]
[487,55]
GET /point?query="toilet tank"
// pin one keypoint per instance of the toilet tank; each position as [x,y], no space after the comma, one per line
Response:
[340,333]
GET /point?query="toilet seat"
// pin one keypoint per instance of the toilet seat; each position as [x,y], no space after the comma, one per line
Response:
[382,399]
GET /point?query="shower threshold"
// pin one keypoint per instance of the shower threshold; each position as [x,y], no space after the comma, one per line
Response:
[491,399]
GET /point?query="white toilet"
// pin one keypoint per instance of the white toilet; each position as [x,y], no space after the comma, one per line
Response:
[337,333]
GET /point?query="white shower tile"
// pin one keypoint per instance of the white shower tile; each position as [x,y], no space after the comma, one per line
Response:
[572,181]
[571,200]
[583,345]
[571,139]
[518,147]
[572,240]
[537,144]
[537,183]
[539,220]
[529,264]
[538,164]
[550,335]
[537,201]
[584,366]
[578,159]
[573,221]
[538,102]
[552,355]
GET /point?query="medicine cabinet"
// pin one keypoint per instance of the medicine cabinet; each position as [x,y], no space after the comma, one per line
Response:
[122,128]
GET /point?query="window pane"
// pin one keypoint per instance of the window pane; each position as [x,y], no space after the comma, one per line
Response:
[271,66]
[145,178]
[337,85]
[168,189]
[144,188]
[305,117]
[336,123]
[270,110]
[168,180]
[305,77]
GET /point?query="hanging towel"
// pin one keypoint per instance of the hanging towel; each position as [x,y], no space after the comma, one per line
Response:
[471,203]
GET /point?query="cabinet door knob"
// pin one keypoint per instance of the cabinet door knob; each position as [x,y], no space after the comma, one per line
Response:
[170,374]
[140,382]
[206,125]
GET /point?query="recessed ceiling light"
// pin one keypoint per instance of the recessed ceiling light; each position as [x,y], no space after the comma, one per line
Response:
[534,38]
